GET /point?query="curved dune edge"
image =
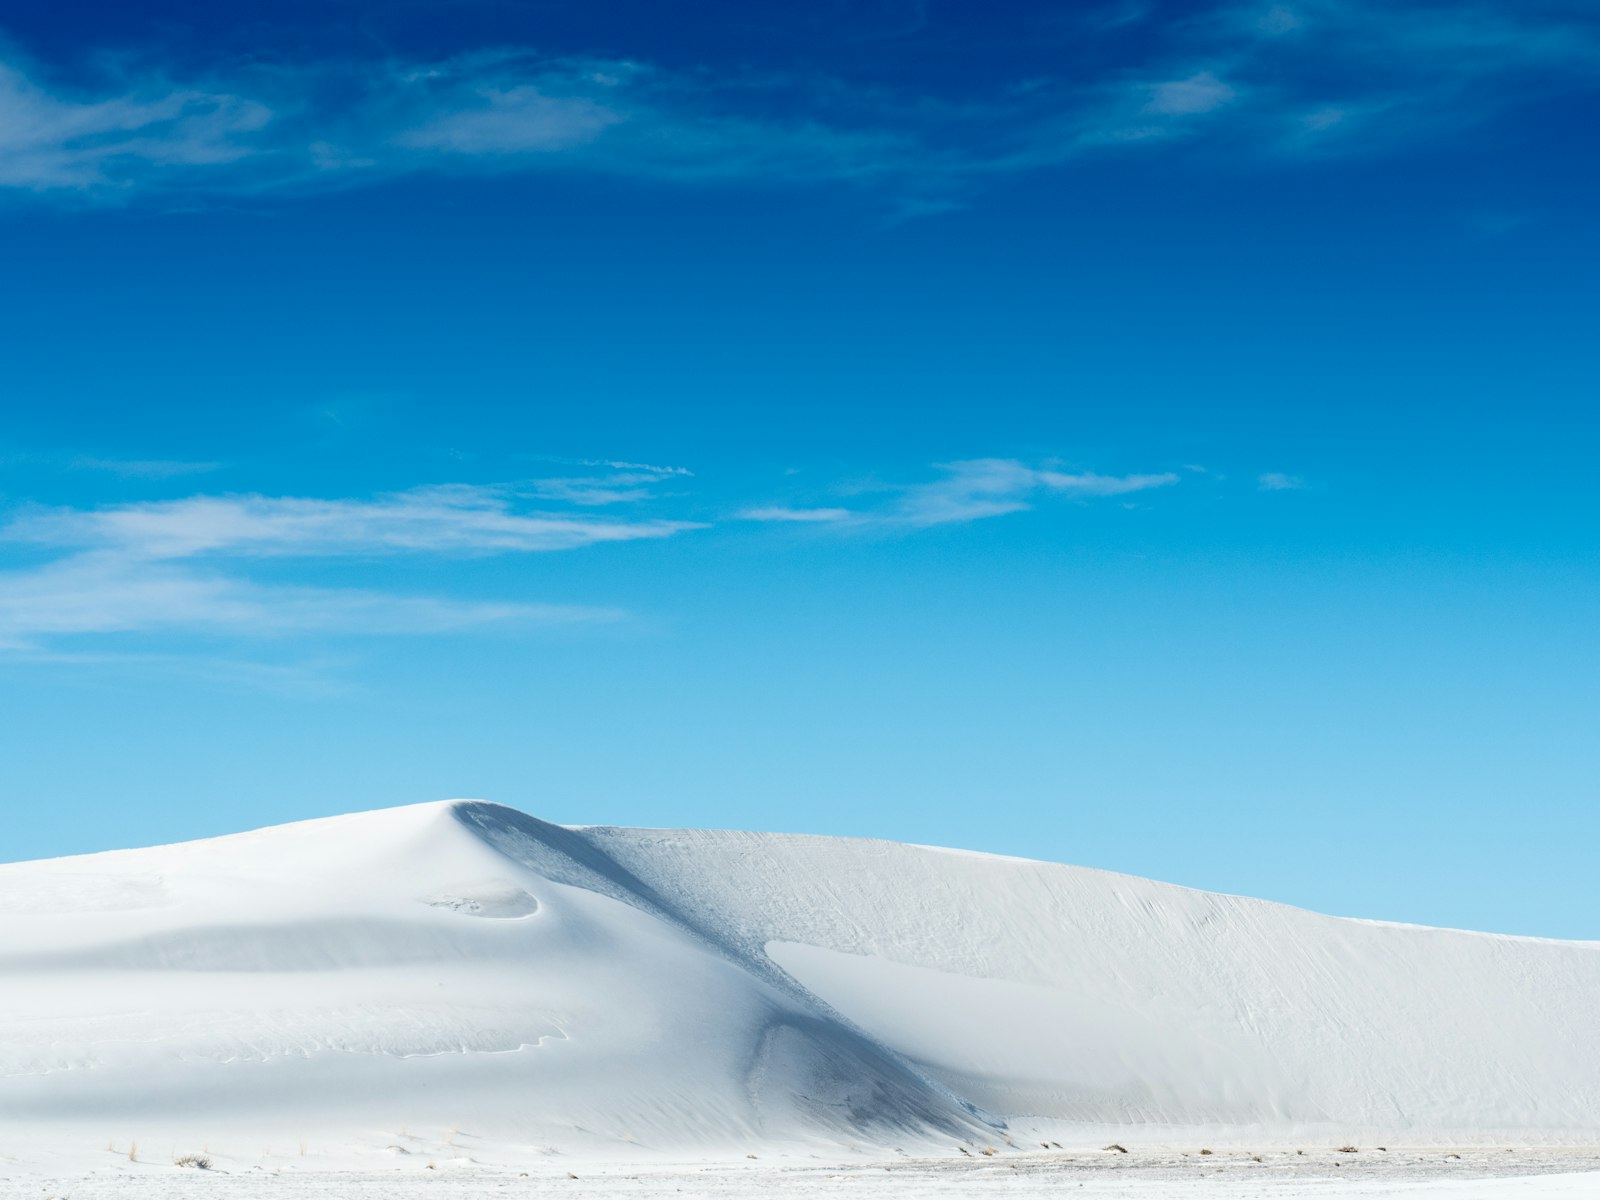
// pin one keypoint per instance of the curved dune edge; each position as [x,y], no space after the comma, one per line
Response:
[461,966]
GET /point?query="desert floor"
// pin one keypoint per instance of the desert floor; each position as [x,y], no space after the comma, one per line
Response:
[1144,1174]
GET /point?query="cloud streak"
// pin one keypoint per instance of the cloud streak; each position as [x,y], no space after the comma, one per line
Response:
[181,566]
[1277,481]
[622,483]
[271,129]
[1276,79]
[126,468]
[965,490]
[52,140]
[116,594]
[141,468]
[778,512]
[448,519]
[991,487]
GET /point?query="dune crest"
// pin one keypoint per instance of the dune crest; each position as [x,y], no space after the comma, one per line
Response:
[467,966]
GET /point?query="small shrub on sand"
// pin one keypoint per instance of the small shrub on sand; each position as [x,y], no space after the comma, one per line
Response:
[198,1161]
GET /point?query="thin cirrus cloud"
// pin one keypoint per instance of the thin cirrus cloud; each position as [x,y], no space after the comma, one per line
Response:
[621,483]
[124,468]
[107,594]
[483,112]
[1202,92]
[123,135]
[1277,481]
[181,566]
[459,519]
[991,487]
[649,468]
[141,468]
[779,512]
[1293,78]
[966,490]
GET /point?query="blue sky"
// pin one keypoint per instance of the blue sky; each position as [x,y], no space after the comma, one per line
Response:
[1158,437]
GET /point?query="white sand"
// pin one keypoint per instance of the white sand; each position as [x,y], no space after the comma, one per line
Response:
[460,984]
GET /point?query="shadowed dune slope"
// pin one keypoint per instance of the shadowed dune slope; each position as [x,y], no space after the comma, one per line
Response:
[678,991]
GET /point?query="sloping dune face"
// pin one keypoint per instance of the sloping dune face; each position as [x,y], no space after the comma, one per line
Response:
[456,966]
[1052,994]
[463,966]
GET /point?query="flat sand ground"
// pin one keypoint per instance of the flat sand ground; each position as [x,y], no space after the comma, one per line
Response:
[1148,1174]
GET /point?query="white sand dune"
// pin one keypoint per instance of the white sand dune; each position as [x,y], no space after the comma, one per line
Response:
[466,973]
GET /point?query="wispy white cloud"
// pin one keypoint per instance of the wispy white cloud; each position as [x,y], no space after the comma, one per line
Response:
[182,566]
[114,593]
[512,118]
[775,512]
[1201,92]
[520,111]
[141,468]
[52,139]
[1277,481]
[1313,77]
[964,490]
[621,483]
[124,467]
[660,472]
[990,487]
[457,518]
[1353,75]
[589,491]
[509,110]
[1271,78]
